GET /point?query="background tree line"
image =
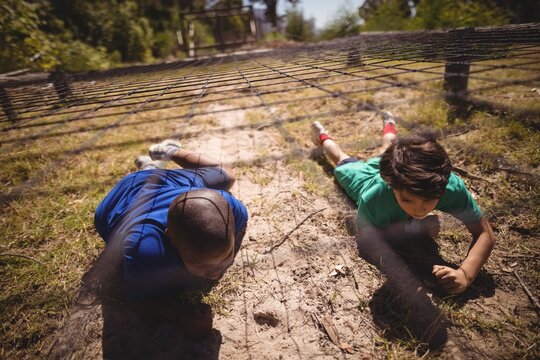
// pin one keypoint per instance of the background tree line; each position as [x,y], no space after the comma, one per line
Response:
[391,15]
[77,35]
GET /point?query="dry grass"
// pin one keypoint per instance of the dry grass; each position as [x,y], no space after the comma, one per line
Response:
[52,223]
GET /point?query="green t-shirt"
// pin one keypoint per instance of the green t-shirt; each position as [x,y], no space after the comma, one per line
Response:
[378,206]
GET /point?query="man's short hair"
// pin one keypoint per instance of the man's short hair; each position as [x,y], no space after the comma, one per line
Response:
[418,165]
[201,220]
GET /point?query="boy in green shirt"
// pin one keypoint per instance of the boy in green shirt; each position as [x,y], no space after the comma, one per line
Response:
[395,194]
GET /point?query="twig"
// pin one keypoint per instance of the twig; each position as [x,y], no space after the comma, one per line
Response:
[22,256]
[513,171]
[533,299]
[463,172]
[450,135]
[263,126]
[286,236]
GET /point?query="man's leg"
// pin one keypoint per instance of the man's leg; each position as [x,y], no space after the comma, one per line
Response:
[144,162]
[172,150]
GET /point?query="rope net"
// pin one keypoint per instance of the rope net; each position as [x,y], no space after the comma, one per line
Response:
[467,69]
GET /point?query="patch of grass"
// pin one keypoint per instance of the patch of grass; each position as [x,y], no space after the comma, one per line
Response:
[432,113]
[314,180]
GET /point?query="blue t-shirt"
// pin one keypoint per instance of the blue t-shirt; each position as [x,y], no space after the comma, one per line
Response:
[135,213]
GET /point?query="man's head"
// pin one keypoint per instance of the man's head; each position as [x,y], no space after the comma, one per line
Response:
[417,168]
[201,227]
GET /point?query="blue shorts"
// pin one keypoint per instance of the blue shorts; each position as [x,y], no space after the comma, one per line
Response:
[347,161]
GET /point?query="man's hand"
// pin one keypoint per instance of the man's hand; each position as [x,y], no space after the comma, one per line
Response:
[197,321]
[452,281]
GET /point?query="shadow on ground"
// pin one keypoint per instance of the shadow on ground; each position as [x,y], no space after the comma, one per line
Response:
[101,325]
[397,321]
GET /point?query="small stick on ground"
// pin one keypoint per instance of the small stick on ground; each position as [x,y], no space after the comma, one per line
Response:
[22,256]
[458,133]
[286,236]
[533,299]
[464,172]
[513,171]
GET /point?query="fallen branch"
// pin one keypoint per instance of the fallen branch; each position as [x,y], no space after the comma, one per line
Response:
[458,133]
[533,299]
[264,126]
[22,256]
[464,172]
[286,236]
[513,171]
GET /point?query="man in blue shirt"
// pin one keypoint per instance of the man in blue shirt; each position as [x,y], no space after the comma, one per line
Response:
[175,230]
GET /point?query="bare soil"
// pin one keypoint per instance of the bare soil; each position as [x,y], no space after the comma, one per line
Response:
[310,297]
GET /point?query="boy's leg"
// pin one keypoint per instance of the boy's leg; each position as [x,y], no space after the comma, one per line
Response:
[331,149]
[389,130]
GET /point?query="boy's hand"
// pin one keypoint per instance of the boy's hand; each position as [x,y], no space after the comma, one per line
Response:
[431,225]
[452,281]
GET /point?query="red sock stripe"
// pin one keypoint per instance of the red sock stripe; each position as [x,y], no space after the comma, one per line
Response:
[390,128]
[324,137]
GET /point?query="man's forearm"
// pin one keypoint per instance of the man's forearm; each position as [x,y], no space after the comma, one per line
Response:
[191,160]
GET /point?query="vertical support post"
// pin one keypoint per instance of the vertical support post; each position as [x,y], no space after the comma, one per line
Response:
[185,40]
[61,84]
[191,40]
[456,74]
[6,105]
[252,26]
[353,57]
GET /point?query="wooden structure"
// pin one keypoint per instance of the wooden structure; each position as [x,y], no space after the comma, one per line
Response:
[224,39]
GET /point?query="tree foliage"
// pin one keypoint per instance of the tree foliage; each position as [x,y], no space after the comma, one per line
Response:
[77,35]
[387,15]
[298,27]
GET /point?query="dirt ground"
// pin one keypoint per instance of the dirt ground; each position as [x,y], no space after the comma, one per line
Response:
[297,289]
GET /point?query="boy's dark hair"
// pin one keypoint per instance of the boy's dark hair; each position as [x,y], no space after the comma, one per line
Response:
[417,164]
[201,220]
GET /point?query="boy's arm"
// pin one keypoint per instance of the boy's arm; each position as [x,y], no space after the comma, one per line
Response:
[456,281]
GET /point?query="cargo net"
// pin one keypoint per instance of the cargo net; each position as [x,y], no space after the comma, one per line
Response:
[49,119]
[67,139]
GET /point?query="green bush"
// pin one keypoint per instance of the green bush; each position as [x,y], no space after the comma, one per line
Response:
[298,28]
[389,16]
[164,44]
[78,56]
[444,14]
